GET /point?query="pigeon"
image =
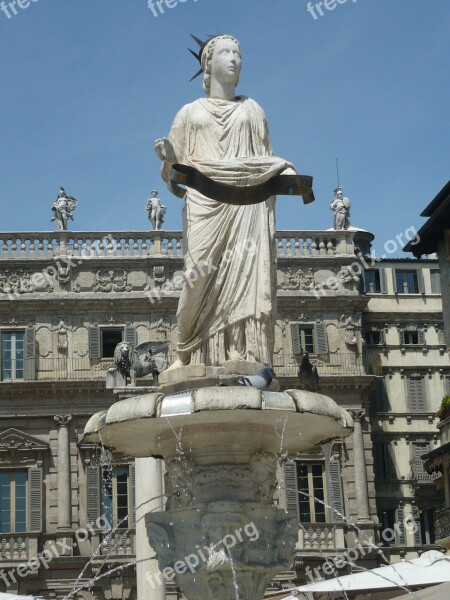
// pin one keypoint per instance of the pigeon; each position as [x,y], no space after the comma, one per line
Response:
[260,381]
[308,374]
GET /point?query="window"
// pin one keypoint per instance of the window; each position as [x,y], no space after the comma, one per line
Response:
[435,281]
[109,340]
[372,281]
[311,488]
[309,337]
[427,516]
[13,502]
[416,393]
[115,496]
[418,449]
[374,337]
[393,531]
[12,355]
[383,461]
[406,282]
[410,337]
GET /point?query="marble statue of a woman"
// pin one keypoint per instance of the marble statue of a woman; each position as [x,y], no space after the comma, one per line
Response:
[228,303]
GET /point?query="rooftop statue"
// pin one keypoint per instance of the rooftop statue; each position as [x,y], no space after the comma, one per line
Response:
[156,211]
[220,148]
[341,208]
[62,209]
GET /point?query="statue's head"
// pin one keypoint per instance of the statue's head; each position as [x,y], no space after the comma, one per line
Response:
[221,59]
[154,193]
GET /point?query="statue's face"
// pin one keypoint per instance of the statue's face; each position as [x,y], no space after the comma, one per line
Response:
[226,62]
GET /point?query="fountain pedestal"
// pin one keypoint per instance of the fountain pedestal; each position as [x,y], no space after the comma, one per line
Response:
[221,537]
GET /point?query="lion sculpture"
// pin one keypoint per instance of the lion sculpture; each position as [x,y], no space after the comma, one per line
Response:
[140,361]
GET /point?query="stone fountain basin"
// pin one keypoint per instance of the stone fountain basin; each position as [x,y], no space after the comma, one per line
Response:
[227,423]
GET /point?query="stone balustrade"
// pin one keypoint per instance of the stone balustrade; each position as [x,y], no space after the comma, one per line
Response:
[135,244]
[419,474]
[320,537]
[118,543]
[17,547]
[92,244]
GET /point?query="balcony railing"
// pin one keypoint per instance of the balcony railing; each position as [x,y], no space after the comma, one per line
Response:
[127,244]
[419,474]
[320,537]
[117,544]
[17,546]
[82,369]
[340,363]
[58,369]
[442,524]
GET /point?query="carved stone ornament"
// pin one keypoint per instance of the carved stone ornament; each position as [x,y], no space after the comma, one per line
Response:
[350,326]
[300,280]
[62,337]
[159,274]
[161,324]
[18,447]
[25,321]
[112,280]
[15,282]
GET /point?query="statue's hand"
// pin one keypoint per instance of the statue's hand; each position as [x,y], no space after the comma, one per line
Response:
[164,149]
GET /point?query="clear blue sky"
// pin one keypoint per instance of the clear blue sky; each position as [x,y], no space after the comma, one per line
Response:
[87,85]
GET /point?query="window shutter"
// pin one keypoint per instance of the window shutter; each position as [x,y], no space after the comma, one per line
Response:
[290,481]
[296,341]
[420,283]
[383,281]
[131,336]
[435,281]
[402,337]
[416,394]
[35,500]
[415,520]
[30,354]
[321,338]
[421,336]
[400,533]
[93,493]
[94,342]
[335,484]
[132,500]
[418,450]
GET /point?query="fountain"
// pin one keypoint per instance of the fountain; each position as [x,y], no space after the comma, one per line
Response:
[214,416]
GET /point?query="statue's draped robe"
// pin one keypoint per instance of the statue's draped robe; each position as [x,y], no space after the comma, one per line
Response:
[228,302]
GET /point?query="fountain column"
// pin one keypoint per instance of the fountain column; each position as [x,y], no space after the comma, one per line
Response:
[359,462]
[149,484]
[64,504]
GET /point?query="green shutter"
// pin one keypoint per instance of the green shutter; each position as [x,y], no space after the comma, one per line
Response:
[416,394]
[94,342]
[321,338]
[335,489]
[131,336]
[132,499]
[35,500]
[402,337]
[421,336]
[296,341]
[93,493]
[30,354]
[435,281]
[400,532]
[290,481]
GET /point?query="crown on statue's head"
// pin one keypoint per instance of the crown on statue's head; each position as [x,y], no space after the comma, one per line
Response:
[198,55]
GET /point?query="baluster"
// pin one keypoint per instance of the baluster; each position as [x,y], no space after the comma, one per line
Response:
[288,247]
[135,248]
[14,249]
[145,249]
[170,248]
[5,249]
[297,247]
[179,251]
[40,248]
[280,247]
[314,247]
[32,247]
[126,248]
[322,249]
[330,248]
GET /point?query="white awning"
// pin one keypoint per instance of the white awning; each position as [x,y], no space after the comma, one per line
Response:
[431,568]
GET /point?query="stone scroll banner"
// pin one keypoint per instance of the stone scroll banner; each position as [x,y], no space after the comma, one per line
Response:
[285,185]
